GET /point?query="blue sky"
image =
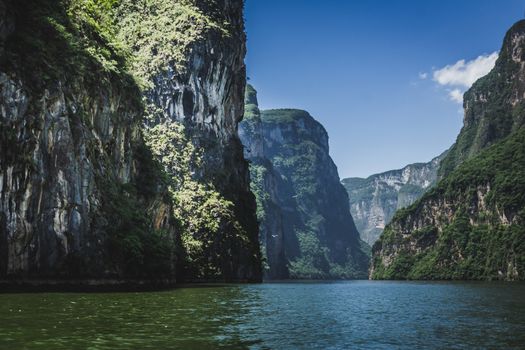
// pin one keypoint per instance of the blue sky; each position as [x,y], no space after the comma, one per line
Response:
[383,77]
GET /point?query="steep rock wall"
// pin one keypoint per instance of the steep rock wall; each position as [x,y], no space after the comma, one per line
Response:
[71,154]
[193,75]
[120,155]
[471,225]
[295,179]
[266,184]
[374,200]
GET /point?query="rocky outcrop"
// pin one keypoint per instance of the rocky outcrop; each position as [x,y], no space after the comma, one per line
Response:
[74,169]
[120,156]
[195,94]
[472,224]
[266,184]
[294,178]
[493,106]
[374,200]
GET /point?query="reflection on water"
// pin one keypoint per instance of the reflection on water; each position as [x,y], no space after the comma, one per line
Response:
[272,316]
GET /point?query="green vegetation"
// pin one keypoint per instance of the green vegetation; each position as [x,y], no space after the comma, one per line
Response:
[477,242]
[411,190]
[134,247]
[375,199]
[160,32]
[98,42]
[258,172]
[320,242]
[71,46]
[316,261]
[495,119]
[285,115]
[117,47]
[158,36]
[477,211]
[208,225]
[75,44]
[104,41]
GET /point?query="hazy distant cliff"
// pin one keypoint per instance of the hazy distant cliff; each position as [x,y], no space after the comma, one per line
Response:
[306,227]
[119,150]
[374,200]
[472,224]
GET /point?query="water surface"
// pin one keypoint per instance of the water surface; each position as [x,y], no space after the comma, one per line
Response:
[338,315]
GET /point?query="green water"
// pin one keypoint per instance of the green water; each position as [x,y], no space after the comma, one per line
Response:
[339,315]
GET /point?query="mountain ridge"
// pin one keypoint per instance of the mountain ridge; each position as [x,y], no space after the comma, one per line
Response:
[471,224]
[374,200]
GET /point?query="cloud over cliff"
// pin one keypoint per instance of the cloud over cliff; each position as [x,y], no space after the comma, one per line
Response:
[461,75]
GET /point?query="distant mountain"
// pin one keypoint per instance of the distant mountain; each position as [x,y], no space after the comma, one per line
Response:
[306,229]
[471,225]
[374,200]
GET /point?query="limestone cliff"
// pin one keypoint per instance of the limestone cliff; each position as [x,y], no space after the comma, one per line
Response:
[493,107]
[266,184]
[374,200]
[306,226]
[119,140]
[79,193]
[189,56]
[472,224]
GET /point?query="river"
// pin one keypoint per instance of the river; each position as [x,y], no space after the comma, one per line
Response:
[299,315]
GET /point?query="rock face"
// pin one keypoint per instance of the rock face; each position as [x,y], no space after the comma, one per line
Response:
[74,170]
[471,225]
[306,227]
[374,200]
[195,94]
[266,184]
[493,106]
[119,150]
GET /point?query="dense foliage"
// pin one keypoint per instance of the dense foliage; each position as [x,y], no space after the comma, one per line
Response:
[159,36]
[319,224]
[74,41]
[475,242]
[201,211]
[133,246]
[157,32]
[110,39]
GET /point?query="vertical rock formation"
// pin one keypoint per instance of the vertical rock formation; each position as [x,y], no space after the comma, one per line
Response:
[472,224]
[190,58]
[266,184]
[79,193]
[374,200]
[493,107]
[119,150]
[294,178]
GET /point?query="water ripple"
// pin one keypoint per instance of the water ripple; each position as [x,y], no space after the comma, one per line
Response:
[356,315]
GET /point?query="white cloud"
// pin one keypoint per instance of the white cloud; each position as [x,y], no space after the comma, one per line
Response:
[462,74]
[456,95]
[423,76]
